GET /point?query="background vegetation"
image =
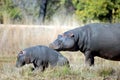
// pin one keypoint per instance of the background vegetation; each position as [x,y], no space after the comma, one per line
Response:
[28,11]
[61,14]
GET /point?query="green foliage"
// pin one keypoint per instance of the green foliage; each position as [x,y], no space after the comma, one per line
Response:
[58,6]
[8,9]
[103,10]
[84,10]
[52,7]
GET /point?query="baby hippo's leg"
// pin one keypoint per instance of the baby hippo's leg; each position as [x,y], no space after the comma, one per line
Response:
[39,66]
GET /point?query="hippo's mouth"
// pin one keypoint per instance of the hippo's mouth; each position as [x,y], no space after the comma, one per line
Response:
[19,65]
[55,47]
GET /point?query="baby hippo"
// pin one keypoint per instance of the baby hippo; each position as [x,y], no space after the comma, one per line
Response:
[41,57]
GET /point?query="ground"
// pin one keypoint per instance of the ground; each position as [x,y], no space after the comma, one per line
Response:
[102,70]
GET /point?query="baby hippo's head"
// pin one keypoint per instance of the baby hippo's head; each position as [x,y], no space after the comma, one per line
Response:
[22,59]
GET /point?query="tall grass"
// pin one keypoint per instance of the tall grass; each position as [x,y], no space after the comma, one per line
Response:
[16,37]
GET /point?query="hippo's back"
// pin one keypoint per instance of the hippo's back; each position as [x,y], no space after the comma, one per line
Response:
[105,35]
[105,39]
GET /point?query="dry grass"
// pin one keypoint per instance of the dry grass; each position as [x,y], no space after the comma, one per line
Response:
[103,70]
[14,38]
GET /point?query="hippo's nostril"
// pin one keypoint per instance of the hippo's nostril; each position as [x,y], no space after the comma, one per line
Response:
[53,46]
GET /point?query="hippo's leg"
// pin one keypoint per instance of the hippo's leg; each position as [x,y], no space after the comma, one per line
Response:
[89,58]
[39,66]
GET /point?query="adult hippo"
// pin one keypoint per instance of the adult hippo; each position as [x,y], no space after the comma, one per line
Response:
[97,39]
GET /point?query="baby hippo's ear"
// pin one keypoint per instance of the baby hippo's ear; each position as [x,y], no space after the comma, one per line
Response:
[22,52]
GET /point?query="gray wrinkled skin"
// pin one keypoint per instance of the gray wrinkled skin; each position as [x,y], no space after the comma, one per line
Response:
[20,60]
[41,57]
[97,39]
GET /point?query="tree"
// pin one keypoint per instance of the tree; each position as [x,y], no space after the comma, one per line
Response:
[102,10]
[42,11]
[8,11]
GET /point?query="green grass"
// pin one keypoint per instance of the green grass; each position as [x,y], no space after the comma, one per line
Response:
[105,70]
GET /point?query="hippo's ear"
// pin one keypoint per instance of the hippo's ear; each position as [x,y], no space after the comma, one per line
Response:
[71,35]
[22,52]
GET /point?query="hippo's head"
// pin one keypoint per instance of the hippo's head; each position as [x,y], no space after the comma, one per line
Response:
[21,59]
[64,42]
